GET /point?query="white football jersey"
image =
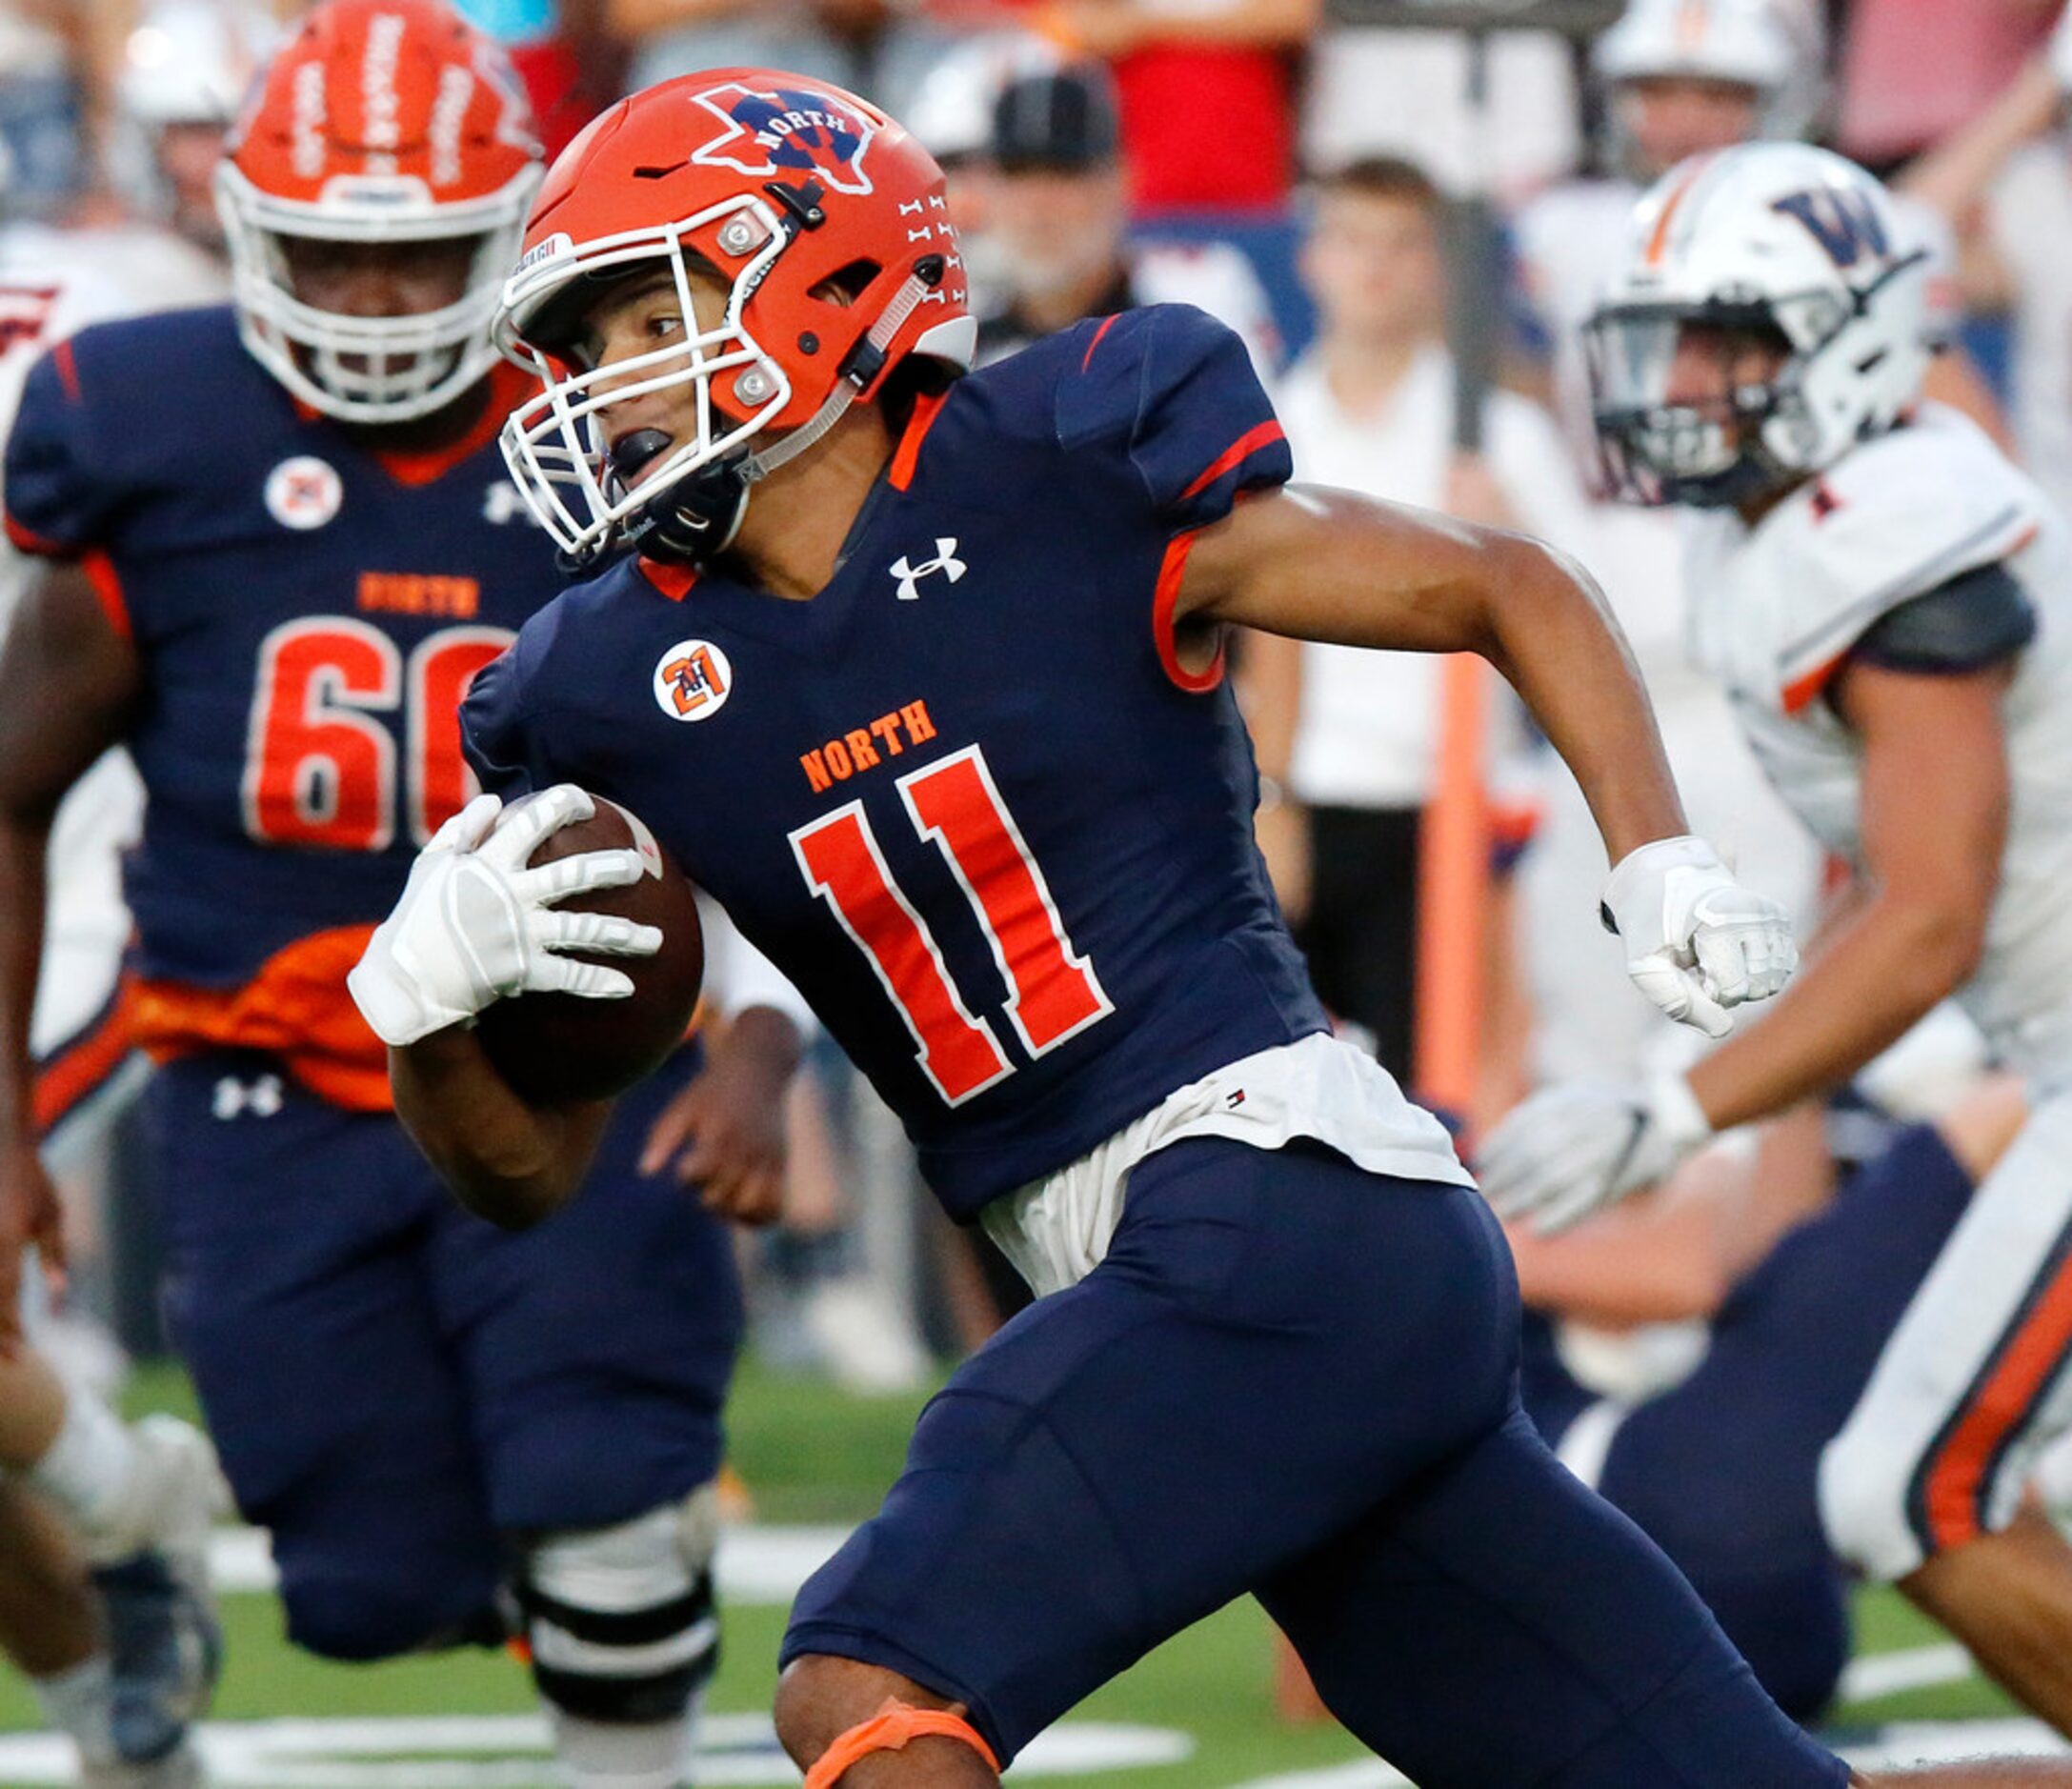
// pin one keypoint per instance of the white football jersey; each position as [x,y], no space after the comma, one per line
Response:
[47,293]
[1776,607]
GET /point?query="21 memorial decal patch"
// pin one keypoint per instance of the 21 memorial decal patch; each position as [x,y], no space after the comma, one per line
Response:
[693,680]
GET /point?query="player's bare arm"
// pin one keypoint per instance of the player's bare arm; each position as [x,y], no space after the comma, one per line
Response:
[1930,745]
[1934,825]
[506,1161]
[66,682]
[516,1163]
[1326,565]
[478,924]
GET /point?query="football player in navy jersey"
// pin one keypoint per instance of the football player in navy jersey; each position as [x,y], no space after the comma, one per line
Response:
[282,543]
[920,675]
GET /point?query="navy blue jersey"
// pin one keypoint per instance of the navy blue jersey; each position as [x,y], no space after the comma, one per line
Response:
[968,797]
[307,616]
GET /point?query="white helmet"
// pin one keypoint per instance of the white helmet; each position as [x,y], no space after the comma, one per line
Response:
[193,61]
[186,63]
[1777,240]
[1761,45]
[1740,41]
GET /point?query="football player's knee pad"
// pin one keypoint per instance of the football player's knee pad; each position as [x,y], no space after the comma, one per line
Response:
[621,1621]
[892,1729]
[1863,1487]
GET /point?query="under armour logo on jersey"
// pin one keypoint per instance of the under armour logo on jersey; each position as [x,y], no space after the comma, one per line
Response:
[501,503]
[945,561]
[260,1097]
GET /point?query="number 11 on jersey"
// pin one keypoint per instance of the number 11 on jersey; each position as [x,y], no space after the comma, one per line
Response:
[1053,991]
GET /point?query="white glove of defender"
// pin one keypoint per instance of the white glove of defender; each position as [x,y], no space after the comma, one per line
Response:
[1697,941]
[1570,1150]
[475,925]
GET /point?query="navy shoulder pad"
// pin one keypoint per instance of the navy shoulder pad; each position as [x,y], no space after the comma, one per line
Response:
[106,412]
[1974,619]
[1170,395]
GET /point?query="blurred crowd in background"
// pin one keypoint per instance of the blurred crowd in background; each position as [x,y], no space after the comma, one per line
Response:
[1296,168]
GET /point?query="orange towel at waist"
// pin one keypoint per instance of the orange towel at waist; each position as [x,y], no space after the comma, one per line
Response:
[296,1007]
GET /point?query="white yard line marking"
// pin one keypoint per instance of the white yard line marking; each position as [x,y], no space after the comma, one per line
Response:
[1368,1774]
[509,1752]
[1917,1668]
[1950,1741]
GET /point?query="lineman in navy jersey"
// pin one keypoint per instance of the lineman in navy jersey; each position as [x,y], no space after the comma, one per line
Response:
[1881,595]
[920,675]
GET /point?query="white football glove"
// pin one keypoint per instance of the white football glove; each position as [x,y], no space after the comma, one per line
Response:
[1570,1150]
[1697,941]
[475,925]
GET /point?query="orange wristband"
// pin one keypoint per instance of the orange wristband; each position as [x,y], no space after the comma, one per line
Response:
[892,1729]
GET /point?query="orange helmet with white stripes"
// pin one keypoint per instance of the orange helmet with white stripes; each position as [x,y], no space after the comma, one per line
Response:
[826,225]
[1785,244]
[389,122]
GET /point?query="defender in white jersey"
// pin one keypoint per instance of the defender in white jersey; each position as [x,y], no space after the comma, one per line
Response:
[1677,77]
[46,293]
[1887,601]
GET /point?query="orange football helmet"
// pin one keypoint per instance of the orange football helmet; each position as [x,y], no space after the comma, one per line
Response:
[380,121]
[826,222]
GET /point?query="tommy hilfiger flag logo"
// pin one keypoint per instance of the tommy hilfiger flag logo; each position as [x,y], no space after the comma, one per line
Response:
[945,561]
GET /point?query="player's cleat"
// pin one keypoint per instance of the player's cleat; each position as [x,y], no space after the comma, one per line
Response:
[150,1566]
[166,1652]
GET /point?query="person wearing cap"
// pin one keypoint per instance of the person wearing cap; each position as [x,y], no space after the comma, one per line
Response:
[1351,738]
[186,67]
[1059,222]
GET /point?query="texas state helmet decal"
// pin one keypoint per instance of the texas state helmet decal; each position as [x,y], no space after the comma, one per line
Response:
[781,132]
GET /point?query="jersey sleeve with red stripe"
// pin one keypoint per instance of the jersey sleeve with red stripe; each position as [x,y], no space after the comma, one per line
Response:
[1164,401]
[66,464]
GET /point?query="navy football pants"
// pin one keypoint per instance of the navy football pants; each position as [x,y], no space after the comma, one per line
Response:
[1721,1470]
[1295,1377]
[397,1388]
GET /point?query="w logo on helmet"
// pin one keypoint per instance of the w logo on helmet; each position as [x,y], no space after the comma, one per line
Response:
[788,131]
[1845,224]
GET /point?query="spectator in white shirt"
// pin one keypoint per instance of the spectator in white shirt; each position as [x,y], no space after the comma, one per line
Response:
[1350,735]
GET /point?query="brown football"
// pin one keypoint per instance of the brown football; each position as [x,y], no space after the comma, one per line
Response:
[558,1048]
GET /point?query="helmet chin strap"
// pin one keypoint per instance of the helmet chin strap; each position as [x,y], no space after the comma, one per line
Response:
[700,515]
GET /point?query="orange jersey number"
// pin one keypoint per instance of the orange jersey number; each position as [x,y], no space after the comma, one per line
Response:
[956,803]
[320,761]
